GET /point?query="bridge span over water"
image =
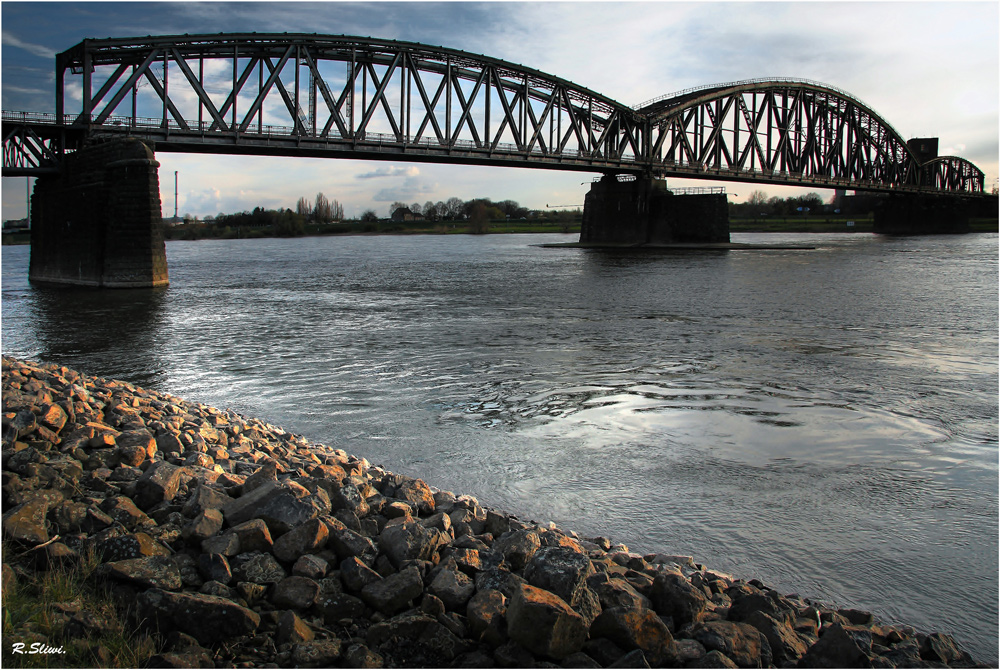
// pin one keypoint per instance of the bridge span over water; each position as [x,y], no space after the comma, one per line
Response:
[364,98]
[96,208]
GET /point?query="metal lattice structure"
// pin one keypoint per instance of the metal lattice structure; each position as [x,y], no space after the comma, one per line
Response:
[364,98]
[793,132]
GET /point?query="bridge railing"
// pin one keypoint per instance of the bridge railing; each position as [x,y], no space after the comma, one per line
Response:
[268,131]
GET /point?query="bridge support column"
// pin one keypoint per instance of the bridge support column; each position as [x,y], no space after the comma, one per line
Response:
[642,211]
[98,222]
[908,214]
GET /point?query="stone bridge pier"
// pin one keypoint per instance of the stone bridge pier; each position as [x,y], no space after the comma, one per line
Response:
[97,223]
[642,211]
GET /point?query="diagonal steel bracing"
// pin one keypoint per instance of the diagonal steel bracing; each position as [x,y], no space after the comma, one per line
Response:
[341,96]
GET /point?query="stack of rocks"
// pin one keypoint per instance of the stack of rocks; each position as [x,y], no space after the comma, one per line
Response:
[247,546]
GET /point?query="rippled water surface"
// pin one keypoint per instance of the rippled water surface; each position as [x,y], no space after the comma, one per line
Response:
[823,420]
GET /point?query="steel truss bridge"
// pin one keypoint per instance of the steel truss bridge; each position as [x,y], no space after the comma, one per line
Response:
[363,98]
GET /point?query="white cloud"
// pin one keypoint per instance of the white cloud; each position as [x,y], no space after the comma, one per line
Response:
[34,49]
[390,171]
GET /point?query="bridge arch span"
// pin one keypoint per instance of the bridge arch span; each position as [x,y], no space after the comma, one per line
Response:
[792,132]
[338,95]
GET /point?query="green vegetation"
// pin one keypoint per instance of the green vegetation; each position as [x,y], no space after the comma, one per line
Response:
[477,216]
[44,607]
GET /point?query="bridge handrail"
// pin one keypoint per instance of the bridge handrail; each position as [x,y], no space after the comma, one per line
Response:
[746,82]
[278,131]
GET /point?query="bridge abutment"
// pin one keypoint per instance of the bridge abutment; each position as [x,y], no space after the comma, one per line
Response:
[642,211]
[97,223]
[922,215]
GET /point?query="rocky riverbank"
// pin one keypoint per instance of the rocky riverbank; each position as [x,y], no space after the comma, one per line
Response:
[244,545]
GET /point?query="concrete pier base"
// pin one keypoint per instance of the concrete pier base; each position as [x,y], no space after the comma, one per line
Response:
[922,215]
[642,211]
[97,223]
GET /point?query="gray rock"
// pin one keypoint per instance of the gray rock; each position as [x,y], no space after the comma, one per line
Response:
[203,526]
[253,535]
[304,539]
[160,482]
[408,540]
[258,568]
[149,572]
[349,544]
[518,547]
[291,629]
[417,493]
[544,624]
[453,588]
[310,566]
[227,544]
[673,595]
[740,642]
[356,574]
[559,570]
[281,505]
[392,594]
[208,619]
[486,616]
[215,567]
[295,593]
[637,629]
[318,653]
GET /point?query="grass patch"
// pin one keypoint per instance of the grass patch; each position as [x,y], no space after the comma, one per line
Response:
[63,611]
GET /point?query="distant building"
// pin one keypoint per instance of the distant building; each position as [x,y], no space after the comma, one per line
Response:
[402,214]
[15,225]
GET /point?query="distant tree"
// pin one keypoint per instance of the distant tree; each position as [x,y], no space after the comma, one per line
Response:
[416,209]
[431,211]
[478,218]
[757,198]
[370,215]
[454,207]
[303,207]
[322,212]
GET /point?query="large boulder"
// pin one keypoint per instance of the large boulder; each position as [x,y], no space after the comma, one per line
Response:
[281,505]
[208,619]
[741,642]
[637,628]
[159,483]
[673,595]
[839,647]
[149,572]
[417,493]
[544,624]
[486,616]
[518,547]
[408,540]
[305,539]
[392,594]
[453,588]
[559,570]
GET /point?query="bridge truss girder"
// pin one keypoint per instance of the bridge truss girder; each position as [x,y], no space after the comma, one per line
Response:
[30,150]
[416,98]
[383,99]
[793,133]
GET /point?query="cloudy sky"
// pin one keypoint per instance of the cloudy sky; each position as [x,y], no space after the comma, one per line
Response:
[929,68]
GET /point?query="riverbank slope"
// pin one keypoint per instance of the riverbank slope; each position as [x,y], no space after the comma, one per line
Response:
[245,545]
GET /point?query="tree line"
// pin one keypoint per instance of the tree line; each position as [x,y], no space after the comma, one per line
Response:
[456,208]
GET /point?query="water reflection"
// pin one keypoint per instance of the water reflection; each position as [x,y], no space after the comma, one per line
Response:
[116,332]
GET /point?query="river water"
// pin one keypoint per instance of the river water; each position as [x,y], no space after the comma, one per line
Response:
[824,420]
